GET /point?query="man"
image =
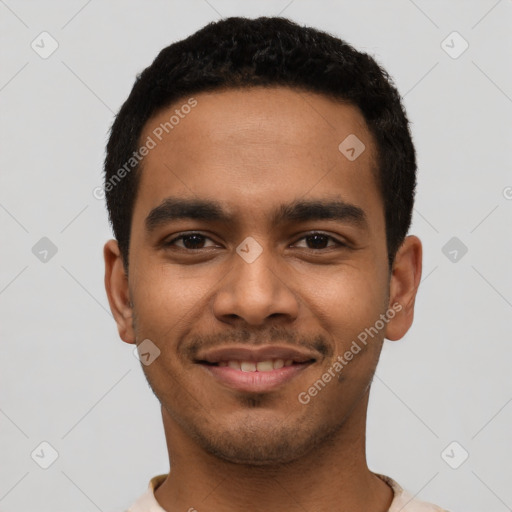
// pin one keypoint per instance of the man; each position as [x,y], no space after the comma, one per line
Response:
[260,181]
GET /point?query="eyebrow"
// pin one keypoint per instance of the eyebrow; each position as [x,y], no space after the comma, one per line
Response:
[173,208]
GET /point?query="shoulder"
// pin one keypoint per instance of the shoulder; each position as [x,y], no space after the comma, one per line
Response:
[147,502]
[404,502]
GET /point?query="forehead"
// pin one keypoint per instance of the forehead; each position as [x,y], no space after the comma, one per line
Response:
[253,147]
[256,115]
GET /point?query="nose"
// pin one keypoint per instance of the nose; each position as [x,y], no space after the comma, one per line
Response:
[255,292]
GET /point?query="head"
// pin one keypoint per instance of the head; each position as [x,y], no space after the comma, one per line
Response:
[260,182]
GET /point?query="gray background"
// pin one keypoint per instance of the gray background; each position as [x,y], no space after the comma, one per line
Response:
[65,376]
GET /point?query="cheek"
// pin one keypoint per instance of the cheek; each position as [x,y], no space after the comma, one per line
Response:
[348,300]
[162,297]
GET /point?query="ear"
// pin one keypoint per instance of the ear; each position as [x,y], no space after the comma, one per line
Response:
[116,286]
[405,279]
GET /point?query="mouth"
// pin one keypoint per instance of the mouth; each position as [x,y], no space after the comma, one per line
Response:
[255,370]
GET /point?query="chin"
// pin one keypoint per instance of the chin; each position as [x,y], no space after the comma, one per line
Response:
[258,442]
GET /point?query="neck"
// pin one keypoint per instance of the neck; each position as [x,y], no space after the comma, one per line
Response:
[334,476]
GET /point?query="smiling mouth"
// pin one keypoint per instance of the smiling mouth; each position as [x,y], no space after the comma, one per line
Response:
[254,376]
[267,365]
[255,369]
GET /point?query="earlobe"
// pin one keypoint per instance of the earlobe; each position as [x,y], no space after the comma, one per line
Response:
[404,283]
[116,286]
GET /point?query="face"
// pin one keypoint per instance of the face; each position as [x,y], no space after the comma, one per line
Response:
[256,244]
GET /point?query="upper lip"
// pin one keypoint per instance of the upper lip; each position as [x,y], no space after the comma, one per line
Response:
[256,354]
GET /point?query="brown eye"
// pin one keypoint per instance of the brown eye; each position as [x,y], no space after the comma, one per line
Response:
[320,241]
[317,241]
[190,241]
[193,241]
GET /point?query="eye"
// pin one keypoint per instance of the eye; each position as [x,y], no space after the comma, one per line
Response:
[319,241]
[190,241]
[195,241]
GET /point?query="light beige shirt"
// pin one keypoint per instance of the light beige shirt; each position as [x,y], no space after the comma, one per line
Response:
[402,501]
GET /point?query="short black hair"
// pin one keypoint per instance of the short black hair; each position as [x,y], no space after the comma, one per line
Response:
[238,52]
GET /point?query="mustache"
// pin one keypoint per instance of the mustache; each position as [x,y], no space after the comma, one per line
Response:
[273,336]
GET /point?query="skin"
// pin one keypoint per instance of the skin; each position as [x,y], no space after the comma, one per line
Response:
[253,150]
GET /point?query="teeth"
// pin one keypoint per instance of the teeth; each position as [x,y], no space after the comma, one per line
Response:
[264,366]
[278,363]
[260,366]
[247,366]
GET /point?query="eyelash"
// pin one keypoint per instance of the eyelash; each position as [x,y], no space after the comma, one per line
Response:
[170,243]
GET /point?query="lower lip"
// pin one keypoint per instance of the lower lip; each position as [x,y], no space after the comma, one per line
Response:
[256,382]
